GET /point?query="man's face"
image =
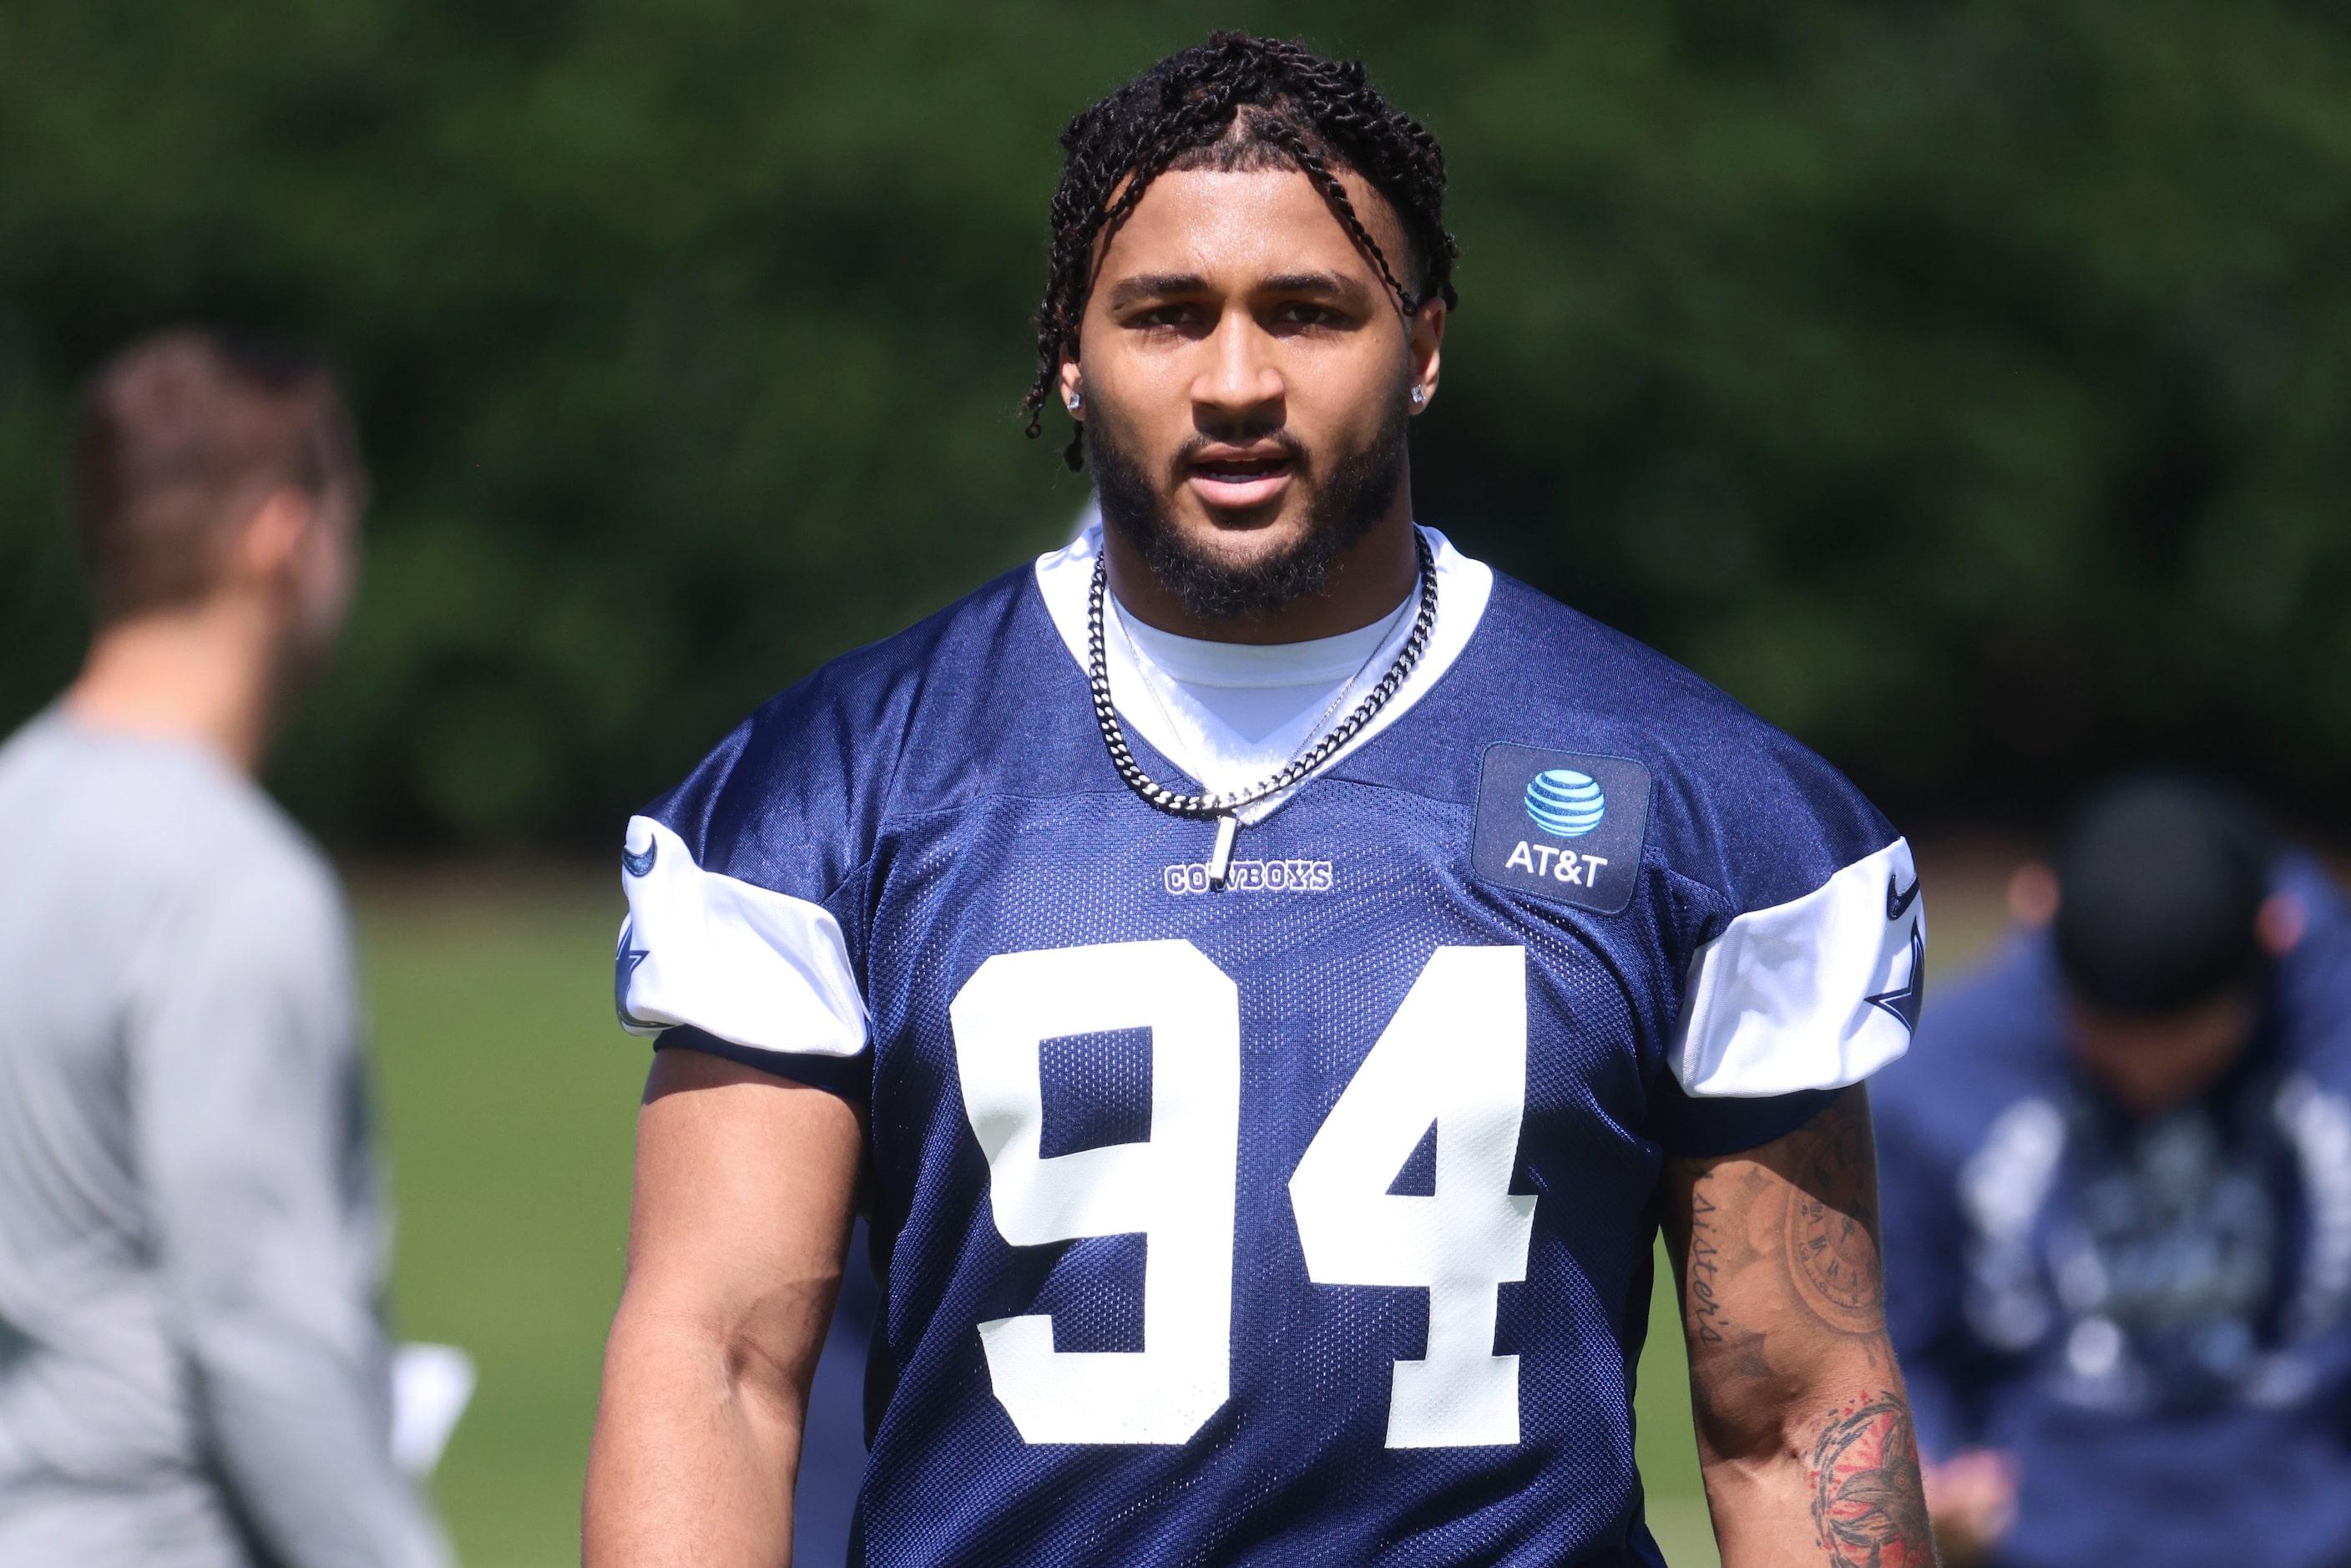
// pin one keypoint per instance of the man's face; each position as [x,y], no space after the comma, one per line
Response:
[2150,1064]
[1246,378]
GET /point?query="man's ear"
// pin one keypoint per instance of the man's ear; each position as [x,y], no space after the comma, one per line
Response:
[1424,341]
[272,536]
[2033,893]
[1073,390]
[2280,925]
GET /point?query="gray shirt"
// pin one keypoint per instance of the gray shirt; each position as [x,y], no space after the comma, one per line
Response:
[192,1372]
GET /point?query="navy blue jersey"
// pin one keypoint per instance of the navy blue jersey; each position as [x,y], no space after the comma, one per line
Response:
[2153,1316]
[1308,1219]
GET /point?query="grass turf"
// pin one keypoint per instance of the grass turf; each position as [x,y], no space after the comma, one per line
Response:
[507,1097]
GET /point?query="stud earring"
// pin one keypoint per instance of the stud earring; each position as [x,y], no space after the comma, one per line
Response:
[1076,399]
[1419,396]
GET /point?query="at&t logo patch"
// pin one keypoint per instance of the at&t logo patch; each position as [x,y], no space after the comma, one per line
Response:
[1560,825]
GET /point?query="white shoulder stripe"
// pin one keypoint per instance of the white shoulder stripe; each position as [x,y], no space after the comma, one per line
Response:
[753,967]
[1815,993]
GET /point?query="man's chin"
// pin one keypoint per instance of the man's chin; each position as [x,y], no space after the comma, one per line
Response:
[1240,535]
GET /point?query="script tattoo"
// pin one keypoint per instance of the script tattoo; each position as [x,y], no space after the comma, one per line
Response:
[1867,1502]
[1718,1251]
[1705,1268]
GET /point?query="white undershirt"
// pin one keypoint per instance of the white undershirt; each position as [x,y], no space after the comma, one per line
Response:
[1240,711]
[1236,734]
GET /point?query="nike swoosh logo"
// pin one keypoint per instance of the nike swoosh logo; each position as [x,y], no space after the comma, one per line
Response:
[1897,902]
[639,865]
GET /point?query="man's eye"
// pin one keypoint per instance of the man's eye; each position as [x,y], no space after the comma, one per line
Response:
[1166,316]
[1299,313]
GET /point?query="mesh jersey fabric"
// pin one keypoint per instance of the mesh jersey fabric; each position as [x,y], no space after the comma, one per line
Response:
[942,800]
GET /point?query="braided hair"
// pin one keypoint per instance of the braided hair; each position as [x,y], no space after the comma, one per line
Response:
[1237,102]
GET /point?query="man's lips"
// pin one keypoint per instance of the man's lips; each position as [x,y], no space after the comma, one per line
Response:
[1239,478]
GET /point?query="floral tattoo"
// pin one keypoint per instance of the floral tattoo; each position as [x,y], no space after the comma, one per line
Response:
[1866,1501]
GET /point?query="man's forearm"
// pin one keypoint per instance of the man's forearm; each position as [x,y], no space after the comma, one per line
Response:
[300,1438]
[243,1081]
[1804,1430]
[1840,1487]
[735,1237]
[696,1450]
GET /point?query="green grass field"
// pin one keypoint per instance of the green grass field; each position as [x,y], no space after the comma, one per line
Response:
[507,1096]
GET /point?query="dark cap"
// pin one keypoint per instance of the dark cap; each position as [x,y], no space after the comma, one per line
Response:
[2160,882]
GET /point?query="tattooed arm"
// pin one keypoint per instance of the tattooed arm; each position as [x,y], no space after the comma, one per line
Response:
[1804,1429]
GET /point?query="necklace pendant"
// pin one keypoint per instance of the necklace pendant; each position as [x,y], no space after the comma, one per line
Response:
[1220,859]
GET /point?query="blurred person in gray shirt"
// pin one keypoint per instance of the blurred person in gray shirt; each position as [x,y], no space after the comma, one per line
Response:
[192,1372]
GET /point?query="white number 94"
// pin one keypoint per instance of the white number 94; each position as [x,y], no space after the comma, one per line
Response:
[1455,1055]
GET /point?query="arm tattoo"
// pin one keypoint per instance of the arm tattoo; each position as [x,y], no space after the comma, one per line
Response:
[1866,1501]
[1720,1251]
[1831,1236]
[1705,1269]
[1816,1208]
[1779,1255]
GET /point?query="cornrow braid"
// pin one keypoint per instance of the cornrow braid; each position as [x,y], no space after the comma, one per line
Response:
[1230,101]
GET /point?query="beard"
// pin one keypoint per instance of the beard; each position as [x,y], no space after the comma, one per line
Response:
[1342,501]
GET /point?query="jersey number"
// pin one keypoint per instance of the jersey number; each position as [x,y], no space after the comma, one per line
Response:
[1454,1055]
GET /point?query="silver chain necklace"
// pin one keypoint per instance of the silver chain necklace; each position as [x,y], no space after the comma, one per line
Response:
[1221,806]
[1147,672]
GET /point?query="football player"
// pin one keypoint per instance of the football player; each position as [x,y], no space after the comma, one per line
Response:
[1266,975]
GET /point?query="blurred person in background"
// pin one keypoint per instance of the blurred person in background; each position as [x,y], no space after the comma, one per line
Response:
[192,1372]
[2117,1175]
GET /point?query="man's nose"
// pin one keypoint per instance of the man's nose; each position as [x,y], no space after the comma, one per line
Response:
[1239,381]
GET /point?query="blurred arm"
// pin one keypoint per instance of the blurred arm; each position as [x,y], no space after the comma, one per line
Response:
[1804,1426]
[1970,1490]
[1926,1243]
[250,1121]
[744,1190]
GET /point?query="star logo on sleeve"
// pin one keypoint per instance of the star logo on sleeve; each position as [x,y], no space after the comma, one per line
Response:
[1904,1003]
[624,970]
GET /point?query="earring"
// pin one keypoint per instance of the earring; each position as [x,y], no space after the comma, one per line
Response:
[1419,396]
[1075,400]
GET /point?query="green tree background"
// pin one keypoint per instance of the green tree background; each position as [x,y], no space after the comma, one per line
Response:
[1962,385]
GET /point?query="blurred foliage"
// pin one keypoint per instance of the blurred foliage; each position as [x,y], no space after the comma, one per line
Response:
[1962,385]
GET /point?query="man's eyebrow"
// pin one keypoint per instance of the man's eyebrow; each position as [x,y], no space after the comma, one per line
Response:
[1324,283]
[1145,286]
[1155,285]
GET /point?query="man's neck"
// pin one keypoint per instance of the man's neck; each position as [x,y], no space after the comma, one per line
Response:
[207,675]
[1366,583]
